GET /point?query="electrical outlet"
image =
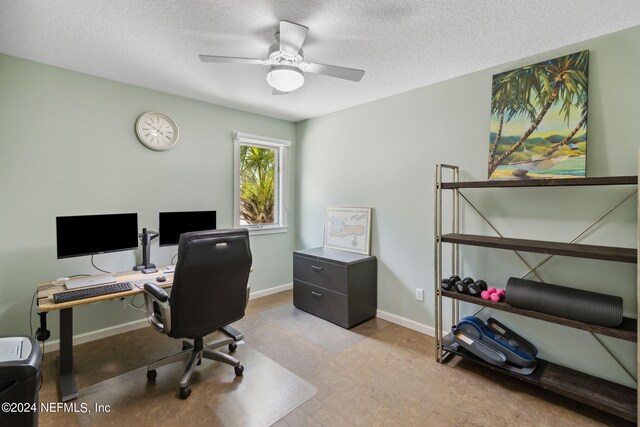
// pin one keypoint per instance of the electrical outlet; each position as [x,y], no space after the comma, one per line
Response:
[419,294]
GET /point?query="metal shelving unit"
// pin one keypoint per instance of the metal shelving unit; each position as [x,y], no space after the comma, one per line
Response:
[602,394]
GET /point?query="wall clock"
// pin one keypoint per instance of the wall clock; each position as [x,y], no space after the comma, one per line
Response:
[157,131]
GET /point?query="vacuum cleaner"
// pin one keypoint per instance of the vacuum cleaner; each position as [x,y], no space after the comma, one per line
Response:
[492,342]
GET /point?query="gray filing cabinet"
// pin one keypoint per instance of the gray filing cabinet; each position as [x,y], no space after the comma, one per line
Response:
[339,286]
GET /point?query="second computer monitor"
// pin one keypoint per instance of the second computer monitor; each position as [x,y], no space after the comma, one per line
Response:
[173,224]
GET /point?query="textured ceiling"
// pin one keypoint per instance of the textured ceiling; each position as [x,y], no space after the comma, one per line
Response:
[402,45]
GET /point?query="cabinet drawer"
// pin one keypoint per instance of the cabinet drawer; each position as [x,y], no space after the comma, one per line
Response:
[321,273]
[321,302]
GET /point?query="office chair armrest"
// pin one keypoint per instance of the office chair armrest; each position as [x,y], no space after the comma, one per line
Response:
[156,291]
[248,290]
[158,308]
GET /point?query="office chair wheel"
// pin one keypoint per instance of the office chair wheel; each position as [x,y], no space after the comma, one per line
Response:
[239,370]
[185,392]
[151,375]
[232,347]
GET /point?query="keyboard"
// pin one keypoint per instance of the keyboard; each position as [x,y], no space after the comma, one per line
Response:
[94,291]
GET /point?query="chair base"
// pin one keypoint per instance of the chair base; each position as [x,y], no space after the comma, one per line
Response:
[194,353]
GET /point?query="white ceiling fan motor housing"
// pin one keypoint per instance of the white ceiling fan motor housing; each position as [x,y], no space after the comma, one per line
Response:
[277,57]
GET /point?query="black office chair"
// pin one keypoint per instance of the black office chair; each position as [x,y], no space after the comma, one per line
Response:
[209,291]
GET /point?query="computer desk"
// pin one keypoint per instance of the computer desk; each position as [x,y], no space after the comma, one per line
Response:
[66,379]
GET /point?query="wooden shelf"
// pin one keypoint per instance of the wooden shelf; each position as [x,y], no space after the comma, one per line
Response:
[608,253]
[627,331]
[605,395]
[568,182]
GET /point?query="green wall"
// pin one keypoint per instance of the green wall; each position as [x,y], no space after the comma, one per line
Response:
[68,147]
[383,155]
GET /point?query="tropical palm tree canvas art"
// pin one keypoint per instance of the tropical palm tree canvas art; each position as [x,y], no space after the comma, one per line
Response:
[539,120]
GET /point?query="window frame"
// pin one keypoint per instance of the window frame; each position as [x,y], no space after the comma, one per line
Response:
[281,181]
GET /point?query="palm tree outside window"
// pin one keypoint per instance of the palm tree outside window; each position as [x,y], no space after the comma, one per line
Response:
[260,183]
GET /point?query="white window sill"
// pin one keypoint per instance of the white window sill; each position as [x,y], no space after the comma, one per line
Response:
[266,230]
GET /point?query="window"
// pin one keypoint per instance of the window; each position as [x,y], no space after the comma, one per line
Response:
[260,180]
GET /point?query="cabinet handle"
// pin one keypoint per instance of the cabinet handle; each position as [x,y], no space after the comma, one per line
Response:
[316,268]
[316,294]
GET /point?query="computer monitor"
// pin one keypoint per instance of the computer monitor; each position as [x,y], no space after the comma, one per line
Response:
[173,224]
[96,234]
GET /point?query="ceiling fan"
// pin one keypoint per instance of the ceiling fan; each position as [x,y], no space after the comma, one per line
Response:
[286,61]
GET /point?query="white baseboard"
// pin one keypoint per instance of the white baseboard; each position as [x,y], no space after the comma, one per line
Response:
[142,323]
[407,323]
[98,334]
[271,291]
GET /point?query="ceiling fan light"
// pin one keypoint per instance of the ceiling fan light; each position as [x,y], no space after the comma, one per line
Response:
[285,78]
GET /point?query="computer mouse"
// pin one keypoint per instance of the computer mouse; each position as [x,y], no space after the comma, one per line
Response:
[161,279]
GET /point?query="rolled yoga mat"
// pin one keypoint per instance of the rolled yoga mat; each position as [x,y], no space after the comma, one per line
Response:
[575,304]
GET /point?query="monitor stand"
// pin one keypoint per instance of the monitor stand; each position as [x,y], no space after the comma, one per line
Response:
[83,282]
[146,237]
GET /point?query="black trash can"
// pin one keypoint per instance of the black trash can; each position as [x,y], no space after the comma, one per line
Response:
[20,377]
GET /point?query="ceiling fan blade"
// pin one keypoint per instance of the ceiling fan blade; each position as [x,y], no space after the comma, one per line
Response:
[291,37]
[232,60]
[334,71]
[278,92]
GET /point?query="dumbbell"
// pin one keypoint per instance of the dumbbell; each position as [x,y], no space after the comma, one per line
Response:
[476,288]
[498,295]
[463,285]
[493,294]
[487,293]
[447,284]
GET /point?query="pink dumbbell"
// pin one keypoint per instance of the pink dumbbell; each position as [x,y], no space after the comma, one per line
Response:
[487,294]
[497,295]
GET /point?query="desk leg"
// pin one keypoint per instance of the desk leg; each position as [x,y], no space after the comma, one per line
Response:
[68,389]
